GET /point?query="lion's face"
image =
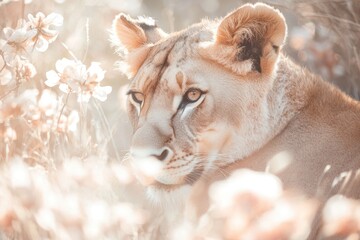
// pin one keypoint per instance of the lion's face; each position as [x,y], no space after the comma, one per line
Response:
[184,118]
[196,99]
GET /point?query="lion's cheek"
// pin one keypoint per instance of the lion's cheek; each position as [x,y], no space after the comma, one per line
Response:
[214,141]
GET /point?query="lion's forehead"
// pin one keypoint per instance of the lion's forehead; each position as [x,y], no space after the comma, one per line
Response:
[171,52]
[159,69]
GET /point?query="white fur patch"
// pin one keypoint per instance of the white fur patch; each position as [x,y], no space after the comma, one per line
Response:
[190,107]
[168,199]
[176,102]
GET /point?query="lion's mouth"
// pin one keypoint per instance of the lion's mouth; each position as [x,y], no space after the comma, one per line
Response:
[189,179]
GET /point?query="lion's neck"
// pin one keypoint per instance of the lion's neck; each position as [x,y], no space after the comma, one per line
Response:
[291,91]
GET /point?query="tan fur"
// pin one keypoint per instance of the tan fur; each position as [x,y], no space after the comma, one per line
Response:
[260,23]
[131,35]
[251,110]
[135,37]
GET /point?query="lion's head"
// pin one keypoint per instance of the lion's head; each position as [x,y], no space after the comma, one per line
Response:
[198,98]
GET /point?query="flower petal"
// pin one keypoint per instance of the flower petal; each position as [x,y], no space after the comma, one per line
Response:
[95,72]
[49,34]
[54,19]
[61,64]
[31,33]
[41,44]
[83,97]
[52,78]
[40,16]
[8,32]
[101,92]
[19,35]
[9,55]
[31,17]
[2,43]
[64,88]
[5,77]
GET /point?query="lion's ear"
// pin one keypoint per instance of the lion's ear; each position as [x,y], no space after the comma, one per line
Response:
[135,33]
[249,39]
[133,39]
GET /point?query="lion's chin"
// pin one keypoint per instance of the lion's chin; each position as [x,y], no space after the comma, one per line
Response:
[189,179]
[173,195]
[168,195]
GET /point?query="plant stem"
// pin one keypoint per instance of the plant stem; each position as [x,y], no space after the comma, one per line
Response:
[87,40]
[10,91]
[62,109]
[107,127]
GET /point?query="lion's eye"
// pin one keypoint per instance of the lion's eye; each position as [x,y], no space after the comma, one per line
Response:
[137,97]
[192,95]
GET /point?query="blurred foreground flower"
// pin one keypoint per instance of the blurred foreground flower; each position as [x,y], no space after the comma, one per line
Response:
[42,111]
[73,77]
[66,203]
[341,216]
[252,205]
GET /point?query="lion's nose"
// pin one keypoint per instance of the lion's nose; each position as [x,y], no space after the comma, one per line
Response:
[148,164]
[163,155]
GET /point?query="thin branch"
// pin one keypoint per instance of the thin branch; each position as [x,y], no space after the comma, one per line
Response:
[69,51]
[107,126]
[10,91]
[62,109]
[314,15]
[87,39]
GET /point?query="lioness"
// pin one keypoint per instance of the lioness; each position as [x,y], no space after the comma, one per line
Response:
[220,95]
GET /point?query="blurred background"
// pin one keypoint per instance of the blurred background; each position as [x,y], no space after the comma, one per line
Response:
[323,36]
[81,169]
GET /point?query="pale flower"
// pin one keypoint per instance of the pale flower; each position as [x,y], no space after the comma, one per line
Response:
[95,72]
[26,70]
[68,75]
[43,111]
[101,92]
[17,42]
[263,189]
[72,76]
[43,24]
